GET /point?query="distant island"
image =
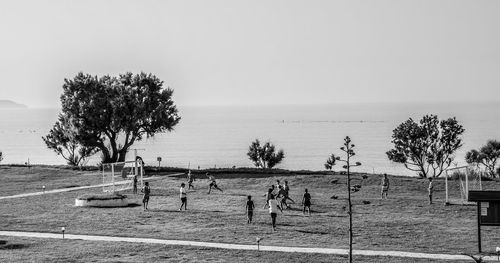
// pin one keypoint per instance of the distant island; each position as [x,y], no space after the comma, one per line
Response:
[8,104]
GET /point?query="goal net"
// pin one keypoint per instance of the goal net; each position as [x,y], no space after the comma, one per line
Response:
[120,176]
[459,181]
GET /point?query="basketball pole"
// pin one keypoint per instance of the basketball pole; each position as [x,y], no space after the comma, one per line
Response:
[446,202]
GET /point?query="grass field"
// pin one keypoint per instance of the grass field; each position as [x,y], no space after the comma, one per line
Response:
[403,222]
[48,250]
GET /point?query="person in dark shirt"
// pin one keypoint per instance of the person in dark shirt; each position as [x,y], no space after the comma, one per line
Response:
[145,198]
[135,184]
[250,206]
[306,202]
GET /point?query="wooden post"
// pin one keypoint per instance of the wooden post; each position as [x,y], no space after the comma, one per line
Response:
[479,226]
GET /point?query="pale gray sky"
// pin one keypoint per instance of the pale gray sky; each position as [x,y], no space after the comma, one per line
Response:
[259,51]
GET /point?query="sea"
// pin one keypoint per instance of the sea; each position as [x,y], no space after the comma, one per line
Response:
[219,136]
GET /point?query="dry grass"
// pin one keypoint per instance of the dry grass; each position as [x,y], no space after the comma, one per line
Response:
[403,222]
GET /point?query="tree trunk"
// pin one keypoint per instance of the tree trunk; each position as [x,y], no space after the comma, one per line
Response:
[122,154]
[350,208]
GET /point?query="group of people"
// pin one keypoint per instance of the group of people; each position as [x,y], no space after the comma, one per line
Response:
[385,188]
[182,191]
[276,200]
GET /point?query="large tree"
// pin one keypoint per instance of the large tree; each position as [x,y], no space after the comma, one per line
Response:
[112,113]
[264,156]
[426,147]
[487,155]
[62,139]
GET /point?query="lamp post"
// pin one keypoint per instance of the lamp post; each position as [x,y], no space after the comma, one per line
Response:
[258,243]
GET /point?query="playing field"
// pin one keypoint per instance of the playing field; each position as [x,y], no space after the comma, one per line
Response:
[404,222]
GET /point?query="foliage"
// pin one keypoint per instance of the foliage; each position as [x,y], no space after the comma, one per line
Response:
[1,156]
[348,148]
[330,162]
[264,156]
[487,155]
[62,140]
[426,147]
[111,113]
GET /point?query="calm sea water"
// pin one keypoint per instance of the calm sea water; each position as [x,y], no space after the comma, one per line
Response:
[220,136]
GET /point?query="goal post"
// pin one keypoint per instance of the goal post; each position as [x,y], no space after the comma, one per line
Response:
[119,176]
[459,181]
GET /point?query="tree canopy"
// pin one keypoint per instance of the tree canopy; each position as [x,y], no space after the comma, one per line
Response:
[112,113]
[264,156]
[62,139]
[426,147]
[487,155]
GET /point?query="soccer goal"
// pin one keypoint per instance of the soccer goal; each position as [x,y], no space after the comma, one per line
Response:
[458,182]
[119,176]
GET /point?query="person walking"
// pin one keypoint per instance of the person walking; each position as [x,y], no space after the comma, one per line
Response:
[183,196]
[431,190]
[385,187]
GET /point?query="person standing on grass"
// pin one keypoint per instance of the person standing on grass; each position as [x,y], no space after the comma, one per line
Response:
[287,192]
[183,196]
[250,206]
[385,187]
[431,190]
[213,183]
[135,184]
[306,202]
[273,210]
[268,196]
[146,191]
[282,197]
[190,180]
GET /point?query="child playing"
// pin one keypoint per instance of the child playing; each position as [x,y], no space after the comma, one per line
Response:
[213,184]
[190,180]
[145,198]
[183,196]
[250,206]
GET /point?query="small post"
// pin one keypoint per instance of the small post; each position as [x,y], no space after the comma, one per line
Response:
[479,226]
[63,229]
[43,188]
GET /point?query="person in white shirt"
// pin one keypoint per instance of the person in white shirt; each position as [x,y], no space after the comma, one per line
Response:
[183,196]
[273,210]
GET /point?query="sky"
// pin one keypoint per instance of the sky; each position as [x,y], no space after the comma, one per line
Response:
[259,52]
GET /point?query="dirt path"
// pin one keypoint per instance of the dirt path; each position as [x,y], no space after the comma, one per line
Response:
[69,189]
[333,251]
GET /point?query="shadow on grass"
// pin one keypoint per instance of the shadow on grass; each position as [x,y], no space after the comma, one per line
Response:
[13,246]
[114,207]
[313,232]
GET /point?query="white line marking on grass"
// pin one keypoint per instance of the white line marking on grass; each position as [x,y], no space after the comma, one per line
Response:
[78,188]
[333,251]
